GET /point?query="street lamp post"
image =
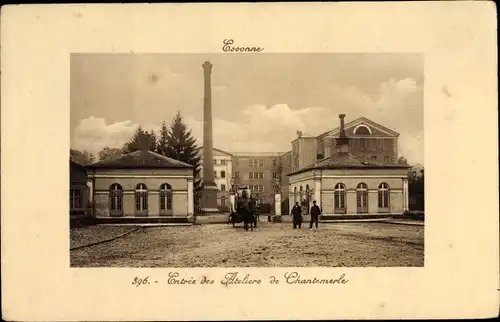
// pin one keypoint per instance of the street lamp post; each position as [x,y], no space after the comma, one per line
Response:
[232,196]
[277,198]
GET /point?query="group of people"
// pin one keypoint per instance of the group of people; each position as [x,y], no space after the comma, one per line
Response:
[297,215]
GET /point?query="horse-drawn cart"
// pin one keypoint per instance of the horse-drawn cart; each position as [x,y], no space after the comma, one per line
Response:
[243,209]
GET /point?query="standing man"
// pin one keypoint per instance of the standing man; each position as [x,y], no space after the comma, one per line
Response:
[315,213]
[297,215]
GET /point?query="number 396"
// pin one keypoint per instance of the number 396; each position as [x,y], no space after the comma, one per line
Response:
[140,281]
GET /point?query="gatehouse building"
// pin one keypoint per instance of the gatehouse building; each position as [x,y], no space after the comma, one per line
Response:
[352,169]
[141,184]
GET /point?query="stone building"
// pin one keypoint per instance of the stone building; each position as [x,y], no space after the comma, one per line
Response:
[349,170]
[78,191]
[259,171]
[223,168]
[141,184]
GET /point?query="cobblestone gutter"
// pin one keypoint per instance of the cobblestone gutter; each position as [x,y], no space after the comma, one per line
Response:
[93,234]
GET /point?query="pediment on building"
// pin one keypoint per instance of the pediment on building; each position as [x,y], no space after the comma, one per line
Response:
[363,127]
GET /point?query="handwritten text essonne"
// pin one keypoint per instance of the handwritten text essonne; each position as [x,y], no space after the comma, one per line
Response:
[228,47]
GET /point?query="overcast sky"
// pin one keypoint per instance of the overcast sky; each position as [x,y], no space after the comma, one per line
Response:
[259,101]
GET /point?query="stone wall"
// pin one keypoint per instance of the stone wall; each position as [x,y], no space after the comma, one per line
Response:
[129,179]
[351,178]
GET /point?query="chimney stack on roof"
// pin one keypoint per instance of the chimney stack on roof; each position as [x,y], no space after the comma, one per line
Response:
[343,140]
[342,125]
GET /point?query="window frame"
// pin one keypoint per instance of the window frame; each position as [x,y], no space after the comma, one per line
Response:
[73,198]
[384,197]
[362,198]
[166,199]
[340,198]
[115,194]
[141,202]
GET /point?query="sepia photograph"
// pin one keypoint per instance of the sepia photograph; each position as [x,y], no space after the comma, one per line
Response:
[224,162]
[247,160]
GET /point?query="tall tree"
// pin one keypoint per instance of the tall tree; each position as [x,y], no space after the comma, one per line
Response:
[109,153]
[161,146]
[140,139]
[177,142]
[153,142]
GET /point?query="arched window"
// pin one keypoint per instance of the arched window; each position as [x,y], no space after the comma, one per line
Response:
[362,197]
[362,130]
[166,198]
[340,198]
[294,195]
[141,198]
[383,197]
[116,199]
[301,198]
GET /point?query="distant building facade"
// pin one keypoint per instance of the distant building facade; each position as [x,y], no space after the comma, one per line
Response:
[223,167]
[259,171]
[350,170]
[141,184]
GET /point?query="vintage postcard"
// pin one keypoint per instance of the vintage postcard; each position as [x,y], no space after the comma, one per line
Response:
[215,155]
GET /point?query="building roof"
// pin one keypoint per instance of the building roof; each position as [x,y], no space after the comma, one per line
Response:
[257,154]
[141,159]
[215,149]
[346,160]
[74,162]
[359,120]
[76,165]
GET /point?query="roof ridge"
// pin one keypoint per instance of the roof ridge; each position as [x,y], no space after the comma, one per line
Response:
[168,158]
[143,159]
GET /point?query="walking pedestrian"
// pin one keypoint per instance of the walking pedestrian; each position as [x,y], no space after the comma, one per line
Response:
[297,216]
[315,213]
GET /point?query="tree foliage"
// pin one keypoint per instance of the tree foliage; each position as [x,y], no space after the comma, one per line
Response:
[177,142]
[83,158]
[161,146]
[416,185]
[141,139]
[109,154]
[403,161]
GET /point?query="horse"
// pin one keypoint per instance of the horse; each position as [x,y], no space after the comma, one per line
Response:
[246,211]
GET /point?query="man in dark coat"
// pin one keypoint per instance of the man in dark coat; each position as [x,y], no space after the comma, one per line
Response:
[315,212]
[297,215]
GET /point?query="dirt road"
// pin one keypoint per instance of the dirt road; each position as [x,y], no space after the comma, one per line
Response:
[270,245]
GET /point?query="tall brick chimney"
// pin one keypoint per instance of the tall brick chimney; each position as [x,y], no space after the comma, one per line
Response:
[343,140]
[209,193]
